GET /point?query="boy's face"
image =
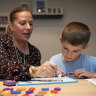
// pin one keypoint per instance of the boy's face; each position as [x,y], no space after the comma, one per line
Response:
[70,52]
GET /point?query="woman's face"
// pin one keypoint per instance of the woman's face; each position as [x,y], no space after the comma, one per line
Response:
[22,26]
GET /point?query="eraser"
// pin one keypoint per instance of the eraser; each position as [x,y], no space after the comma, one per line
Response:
[21,89]
[42,92]
[45,89]
[57,88]
[11,89]
[15,92]
[25,95]
[6,92]
[38,95]
[29,92]
[54,91]
[52,94]
[32,88]
[9,82]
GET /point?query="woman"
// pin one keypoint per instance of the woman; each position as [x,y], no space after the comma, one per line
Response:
[17,55]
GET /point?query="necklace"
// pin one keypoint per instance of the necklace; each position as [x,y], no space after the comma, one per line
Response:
[17,53]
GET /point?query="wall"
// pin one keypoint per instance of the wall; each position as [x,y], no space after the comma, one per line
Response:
[46,32]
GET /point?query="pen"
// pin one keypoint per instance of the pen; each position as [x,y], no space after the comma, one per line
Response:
[58,71]
[59,75]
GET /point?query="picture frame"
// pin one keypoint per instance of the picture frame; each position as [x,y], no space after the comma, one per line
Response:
[54,11]
[4,19]
[49,10]
[60,11]
[25,5]
[40,7]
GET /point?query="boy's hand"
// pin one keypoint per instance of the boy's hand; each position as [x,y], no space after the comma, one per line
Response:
[79,73]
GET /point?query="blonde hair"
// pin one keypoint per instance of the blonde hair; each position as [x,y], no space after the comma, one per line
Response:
[8,30]
[13,16]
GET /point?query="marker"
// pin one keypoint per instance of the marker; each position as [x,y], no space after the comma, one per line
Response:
[58,72]
[59,75]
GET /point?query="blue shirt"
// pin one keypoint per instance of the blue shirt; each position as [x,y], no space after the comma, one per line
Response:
[83,61]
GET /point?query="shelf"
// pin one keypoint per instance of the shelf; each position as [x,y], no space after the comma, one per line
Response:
[2,29]
[47,16]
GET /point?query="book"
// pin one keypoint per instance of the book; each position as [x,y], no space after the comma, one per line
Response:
[45,80]
[92,80]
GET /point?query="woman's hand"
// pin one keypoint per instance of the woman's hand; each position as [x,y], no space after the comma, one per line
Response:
[48,69]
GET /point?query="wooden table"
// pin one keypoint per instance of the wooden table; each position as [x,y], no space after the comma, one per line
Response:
[82,88]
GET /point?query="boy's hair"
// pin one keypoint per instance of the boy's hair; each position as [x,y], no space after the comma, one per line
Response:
[76,33]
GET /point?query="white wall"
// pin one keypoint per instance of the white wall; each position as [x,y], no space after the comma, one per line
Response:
[47,31]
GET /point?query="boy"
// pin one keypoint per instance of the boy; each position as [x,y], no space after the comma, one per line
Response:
[74,40]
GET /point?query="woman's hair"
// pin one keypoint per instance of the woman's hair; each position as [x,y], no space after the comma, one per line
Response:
[76,33]
[13,16]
